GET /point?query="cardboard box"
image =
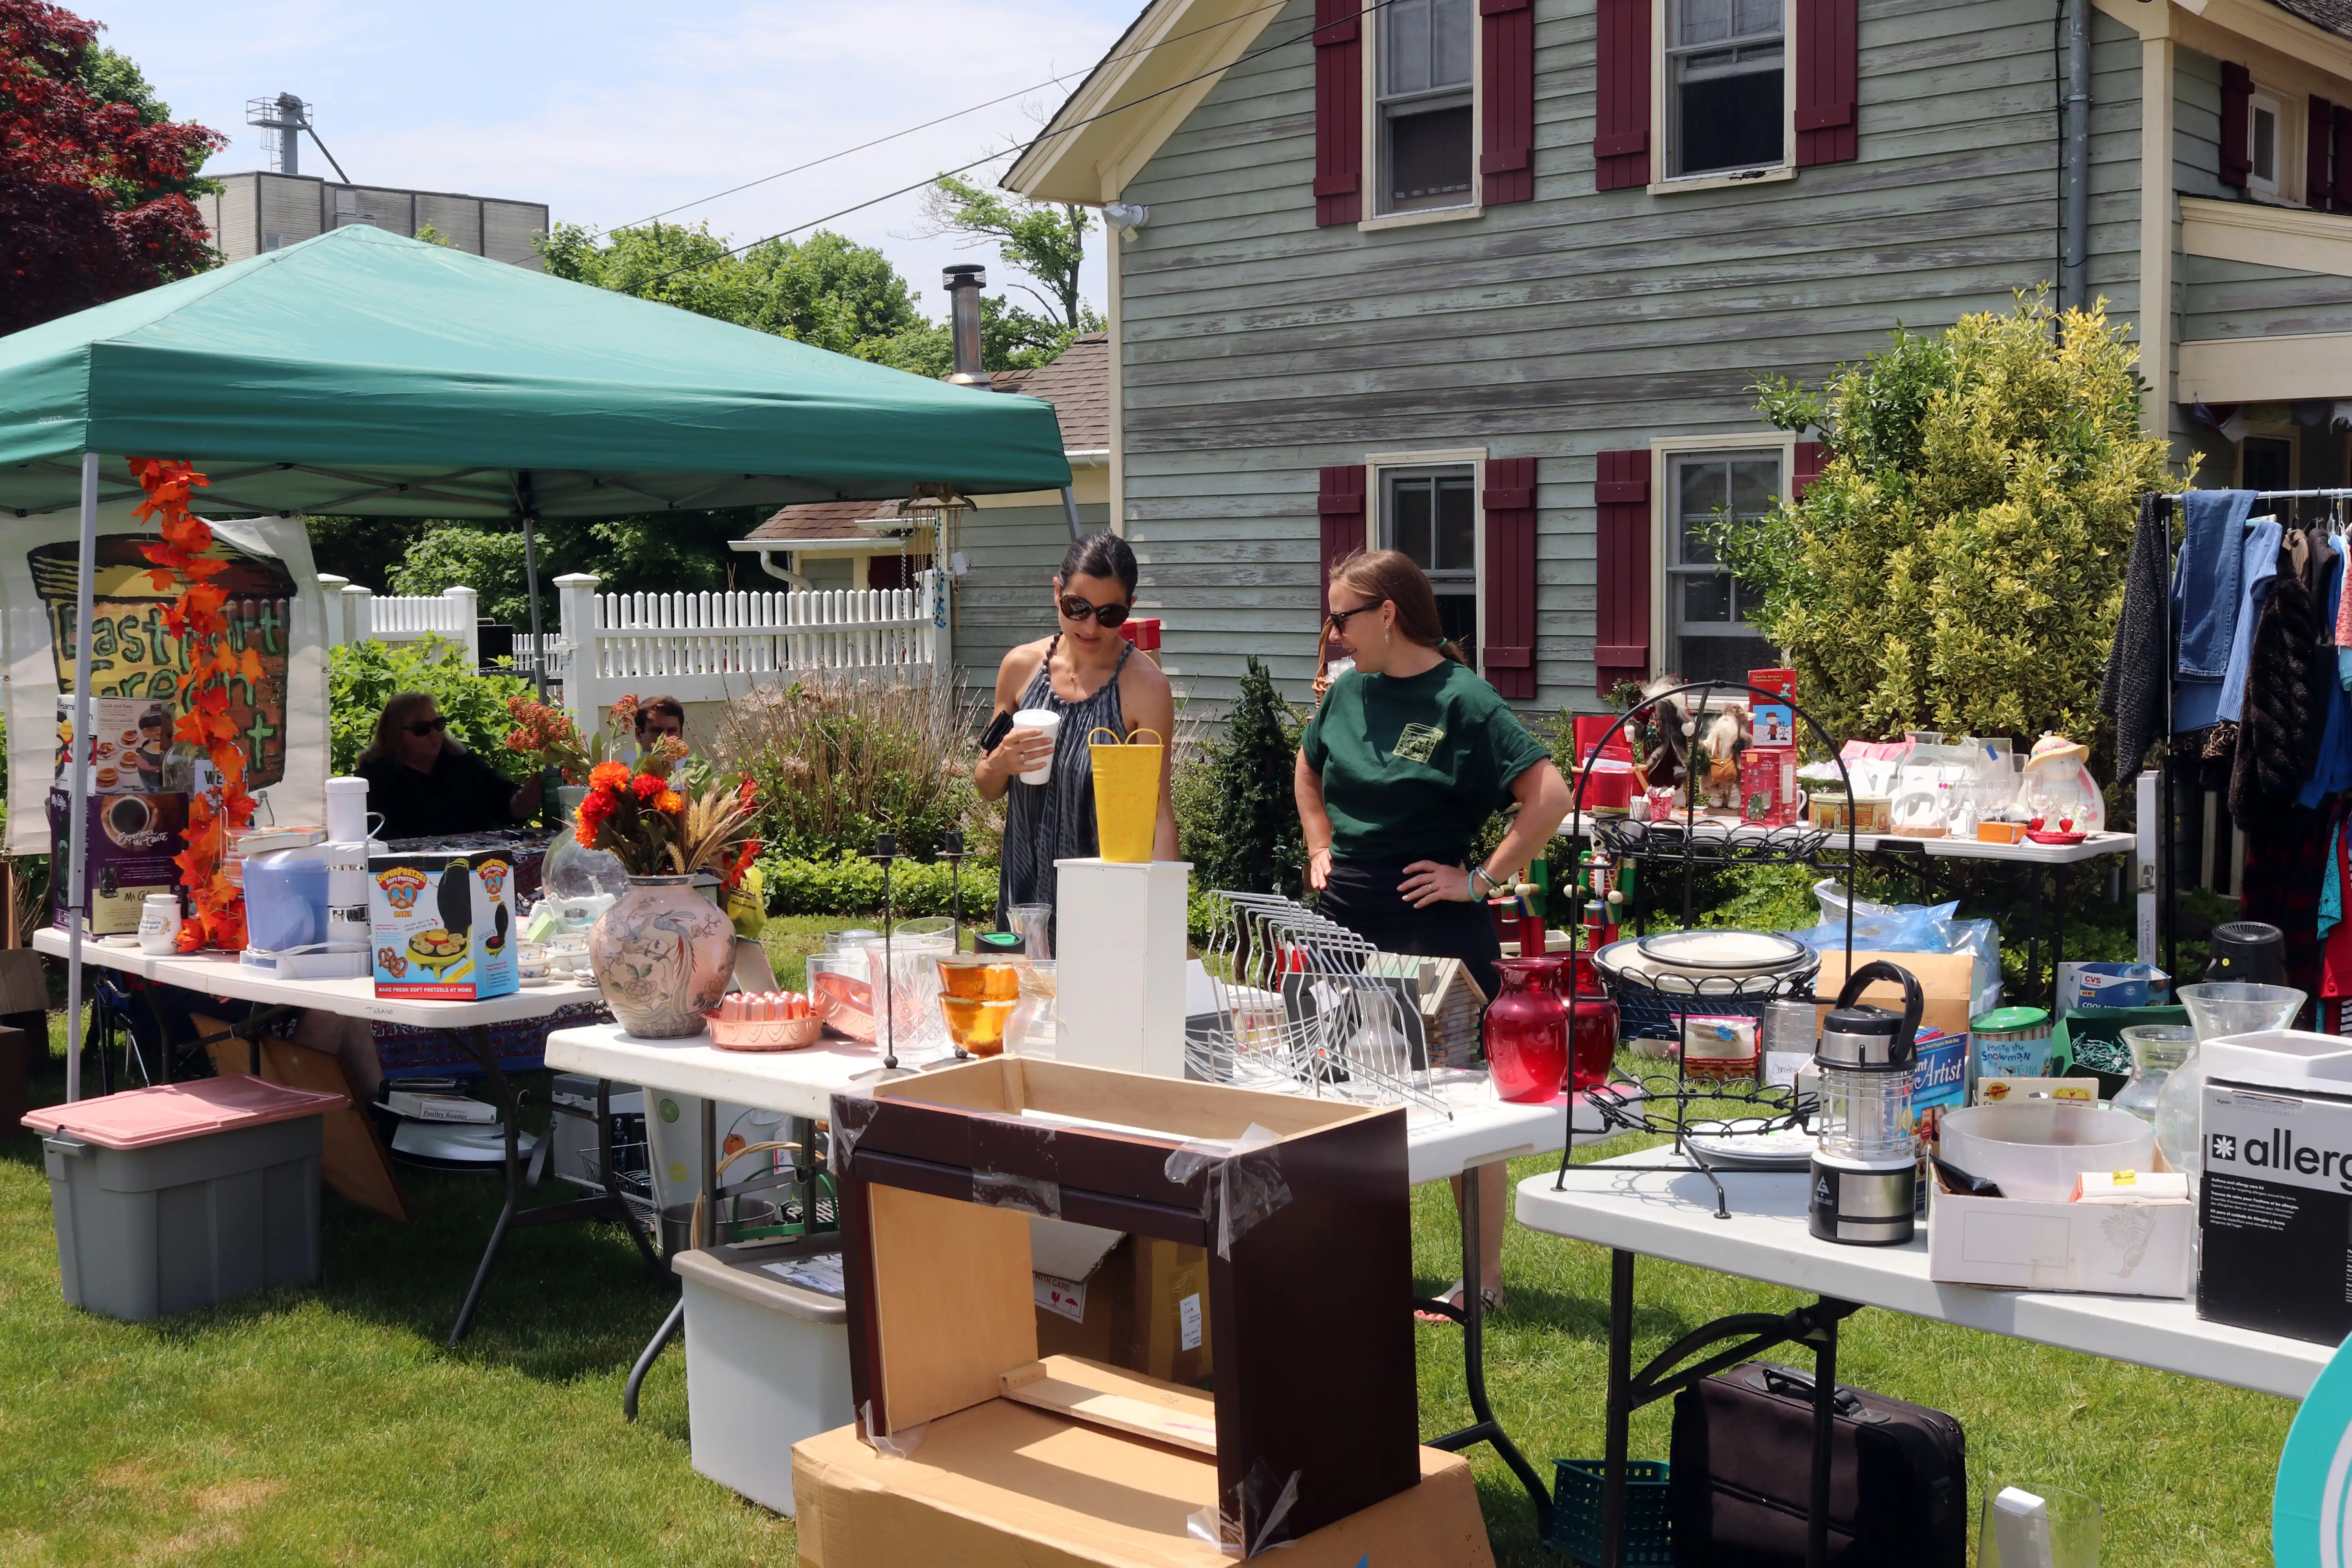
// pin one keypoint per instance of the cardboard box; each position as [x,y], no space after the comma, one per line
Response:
[1768,786]
[135,841]
[2275,1210]
[2023,1244]
[1001,1485]
[442,924]
[1143,1308]
[1944,980]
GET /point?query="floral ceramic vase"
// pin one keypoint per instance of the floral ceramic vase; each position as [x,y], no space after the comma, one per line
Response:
[663,955]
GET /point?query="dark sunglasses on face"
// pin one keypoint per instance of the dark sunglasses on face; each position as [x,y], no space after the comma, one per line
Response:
[427,727]
[1339,618]
[1105,615]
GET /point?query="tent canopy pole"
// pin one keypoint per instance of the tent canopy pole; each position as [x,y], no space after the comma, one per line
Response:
[78,806]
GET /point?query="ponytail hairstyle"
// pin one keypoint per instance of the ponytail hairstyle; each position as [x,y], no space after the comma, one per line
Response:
[1391,576]
[1104,554]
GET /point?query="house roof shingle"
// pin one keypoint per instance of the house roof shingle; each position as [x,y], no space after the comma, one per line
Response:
[1076,383]
[2328,15]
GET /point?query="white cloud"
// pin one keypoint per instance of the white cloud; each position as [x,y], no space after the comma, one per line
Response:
[612,112]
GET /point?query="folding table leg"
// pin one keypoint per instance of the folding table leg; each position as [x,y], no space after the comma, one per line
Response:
[1619,1419]
[478,1040]
[621,1210]
[1473,1319]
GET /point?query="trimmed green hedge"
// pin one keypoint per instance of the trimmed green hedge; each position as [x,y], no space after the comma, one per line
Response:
[854,887]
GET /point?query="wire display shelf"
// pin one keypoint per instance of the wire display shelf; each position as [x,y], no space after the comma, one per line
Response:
[1302,1003]
[1678,1104]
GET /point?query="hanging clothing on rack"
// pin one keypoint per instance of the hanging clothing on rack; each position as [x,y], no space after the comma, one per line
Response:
[2287,862]
[2133,690]
[2333,774]
[2286,689]
[2207,599]
[2258,566]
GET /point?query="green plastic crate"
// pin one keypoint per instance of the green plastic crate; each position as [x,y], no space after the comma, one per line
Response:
[1576,1513]
[2102,1023]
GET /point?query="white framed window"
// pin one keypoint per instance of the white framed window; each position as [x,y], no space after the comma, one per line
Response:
[1701,622]
[1426,505]
[1726,87]
[1425,109]
[2265,138]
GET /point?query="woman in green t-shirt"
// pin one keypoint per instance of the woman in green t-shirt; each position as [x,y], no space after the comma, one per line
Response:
[1406,757]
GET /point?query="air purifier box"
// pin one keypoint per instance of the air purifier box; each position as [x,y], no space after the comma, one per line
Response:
[2274,1208]
[441,923]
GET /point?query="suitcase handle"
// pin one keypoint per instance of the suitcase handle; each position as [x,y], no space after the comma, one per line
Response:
[1789,1380]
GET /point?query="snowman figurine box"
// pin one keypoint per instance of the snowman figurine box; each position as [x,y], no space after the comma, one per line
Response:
[441,922]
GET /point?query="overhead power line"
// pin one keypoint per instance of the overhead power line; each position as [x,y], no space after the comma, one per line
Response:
[942,120]
[1373,6]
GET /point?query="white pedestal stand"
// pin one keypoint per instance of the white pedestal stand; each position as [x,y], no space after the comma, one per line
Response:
[1119,947]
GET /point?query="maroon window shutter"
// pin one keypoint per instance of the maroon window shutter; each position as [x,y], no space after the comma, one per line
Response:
[1338,114]
[1812,456]
[1620,634]
[1507,105]
[2237,88]
[2340,193]
[2319,136]
[1509,654]
[1620,121]
[1342,504]
[1827,48]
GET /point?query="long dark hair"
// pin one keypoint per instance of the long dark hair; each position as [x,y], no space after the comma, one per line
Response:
[397,713]
[1100,555]
[1392,576]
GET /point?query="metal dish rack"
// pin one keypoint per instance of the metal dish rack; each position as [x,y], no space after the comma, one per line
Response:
[1668,1103]
[1304,1004]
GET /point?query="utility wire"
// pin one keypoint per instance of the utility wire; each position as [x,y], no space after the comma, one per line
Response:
[952,114]
[1370,8]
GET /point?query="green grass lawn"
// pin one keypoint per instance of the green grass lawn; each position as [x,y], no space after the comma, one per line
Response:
[329,1425]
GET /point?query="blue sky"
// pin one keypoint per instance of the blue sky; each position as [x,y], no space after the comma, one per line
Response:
[610,113]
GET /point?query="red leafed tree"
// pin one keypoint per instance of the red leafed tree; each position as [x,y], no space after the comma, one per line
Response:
[95,177]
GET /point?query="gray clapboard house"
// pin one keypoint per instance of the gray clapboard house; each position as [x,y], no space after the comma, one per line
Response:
[1489,282]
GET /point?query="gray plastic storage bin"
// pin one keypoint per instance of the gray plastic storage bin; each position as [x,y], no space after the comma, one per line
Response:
[222,1201]
[767,1361]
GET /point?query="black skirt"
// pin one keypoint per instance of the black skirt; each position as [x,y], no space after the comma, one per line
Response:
[1365,899]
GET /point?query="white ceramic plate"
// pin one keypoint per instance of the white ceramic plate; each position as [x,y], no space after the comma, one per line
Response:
[1788,1149]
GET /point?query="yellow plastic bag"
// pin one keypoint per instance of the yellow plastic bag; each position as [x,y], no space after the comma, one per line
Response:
[1127,794]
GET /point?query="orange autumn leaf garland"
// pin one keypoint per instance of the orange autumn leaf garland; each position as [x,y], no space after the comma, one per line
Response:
[198,618]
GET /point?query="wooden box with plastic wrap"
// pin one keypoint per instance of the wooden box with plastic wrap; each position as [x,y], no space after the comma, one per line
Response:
[1301,1203]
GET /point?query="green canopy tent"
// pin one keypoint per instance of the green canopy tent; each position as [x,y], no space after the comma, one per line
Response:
[362,374]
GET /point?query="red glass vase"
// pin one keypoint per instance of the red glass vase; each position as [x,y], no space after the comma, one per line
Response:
[1526,1030]
[1593,1050]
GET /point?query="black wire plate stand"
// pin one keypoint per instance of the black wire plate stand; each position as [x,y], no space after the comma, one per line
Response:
[1697,843]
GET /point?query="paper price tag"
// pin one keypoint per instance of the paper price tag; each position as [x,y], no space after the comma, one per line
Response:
[1187,1322]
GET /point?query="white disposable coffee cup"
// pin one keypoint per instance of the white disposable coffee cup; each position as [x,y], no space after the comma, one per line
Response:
[1046,722]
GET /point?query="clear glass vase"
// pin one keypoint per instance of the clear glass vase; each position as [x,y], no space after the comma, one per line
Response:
[2215,1010]
[2156,1050]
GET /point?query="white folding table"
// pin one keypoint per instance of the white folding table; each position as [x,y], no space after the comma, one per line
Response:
[221,974]
[1635,1208]
[1480,1131]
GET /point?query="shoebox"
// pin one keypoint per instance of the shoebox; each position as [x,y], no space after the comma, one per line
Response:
[2274,1207]
[2144,1248]
[442,924]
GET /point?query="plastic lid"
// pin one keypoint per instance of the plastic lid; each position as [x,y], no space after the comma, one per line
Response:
[168,1113]
[2002,1020]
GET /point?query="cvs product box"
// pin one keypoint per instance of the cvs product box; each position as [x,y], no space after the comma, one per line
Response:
[441,923]
[2275,1209]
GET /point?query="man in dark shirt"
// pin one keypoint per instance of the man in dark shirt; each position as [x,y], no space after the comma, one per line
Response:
[427,785]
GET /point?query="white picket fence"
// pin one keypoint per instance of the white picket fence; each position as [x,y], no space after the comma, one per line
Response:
[697,648]
[706,647]
[357,614]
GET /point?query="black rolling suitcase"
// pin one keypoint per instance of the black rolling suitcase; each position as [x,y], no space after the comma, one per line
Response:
[1743,1447]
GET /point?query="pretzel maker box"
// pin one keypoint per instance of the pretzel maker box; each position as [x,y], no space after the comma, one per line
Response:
[1301,1207]
[441,923]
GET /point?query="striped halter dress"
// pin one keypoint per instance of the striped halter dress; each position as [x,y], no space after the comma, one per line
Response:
[1055,820]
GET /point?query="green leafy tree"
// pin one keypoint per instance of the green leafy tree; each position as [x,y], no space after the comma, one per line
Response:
[1960,564]
[1243,834]
[363,677]
[453,555]
[1046,240]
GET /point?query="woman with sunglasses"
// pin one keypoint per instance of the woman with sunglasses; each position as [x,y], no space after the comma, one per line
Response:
[1407,756]
[427,785]
[1085,672]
